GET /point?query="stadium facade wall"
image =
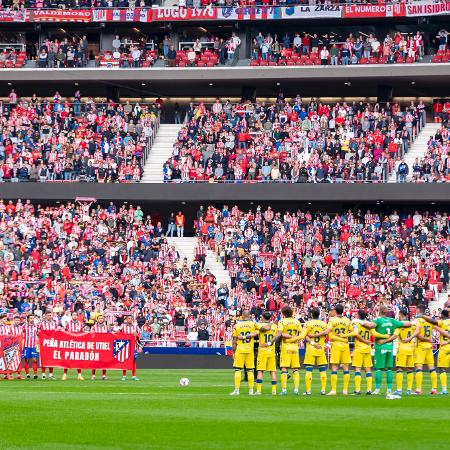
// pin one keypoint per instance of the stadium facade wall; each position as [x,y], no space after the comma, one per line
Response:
[184,362]
[208,192]
[440,72]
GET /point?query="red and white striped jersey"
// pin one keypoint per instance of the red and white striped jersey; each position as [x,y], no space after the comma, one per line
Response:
[200,249]
[100,328]
[130,329]
[74,326]
[15,330]
[48,325]
[4,329]
[30,335]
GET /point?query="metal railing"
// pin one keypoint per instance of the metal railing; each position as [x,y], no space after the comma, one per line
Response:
[151,139]
[12,46]
[188,44]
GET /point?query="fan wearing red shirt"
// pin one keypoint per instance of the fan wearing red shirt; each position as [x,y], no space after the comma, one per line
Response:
[433,281]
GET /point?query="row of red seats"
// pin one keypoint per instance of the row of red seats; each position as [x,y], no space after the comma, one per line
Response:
[315,61]
[441,56]
[205,59]
[15,60]
[147,58]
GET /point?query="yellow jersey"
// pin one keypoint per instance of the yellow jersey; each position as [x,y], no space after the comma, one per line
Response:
[365,333]
[244,328]
[426,331]
[340,326]
[266,337]
[405,333]
[445,325]
[315,326]
[292,327]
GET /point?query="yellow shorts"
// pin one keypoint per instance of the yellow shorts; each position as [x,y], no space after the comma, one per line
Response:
[444,357]
[424,356]
[404,359]
[315,358]
[266,362]
[361,359]
[244,359]
[289,359]
[340,355]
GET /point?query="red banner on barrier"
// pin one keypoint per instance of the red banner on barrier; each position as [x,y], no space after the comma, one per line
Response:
[6,15]
[427,8]
[176,13]
[10,353]
[87,350]
[361,11]
[122,15]
[62,15]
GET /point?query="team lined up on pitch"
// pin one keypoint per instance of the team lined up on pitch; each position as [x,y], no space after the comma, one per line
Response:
[414,351]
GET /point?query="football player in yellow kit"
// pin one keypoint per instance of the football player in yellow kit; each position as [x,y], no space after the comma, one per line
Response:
[266,361]
[404,360]
[314,333]
[244,334]
[443,362]
[424,351]
[341,329]
[288,328]
[362,354]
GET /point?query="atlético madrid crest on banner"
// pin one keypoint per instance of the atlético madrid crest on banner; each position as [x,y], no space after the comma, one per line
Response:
[121,350]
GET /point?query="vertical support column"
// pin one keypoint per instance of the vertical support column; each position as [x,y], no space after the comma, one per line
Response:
[385,93]
[113,93]
[248,93]
[106,38]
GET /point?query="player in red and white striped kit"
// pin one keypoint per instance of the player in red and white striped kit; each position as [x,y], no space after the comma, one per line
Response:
[131,328]
[4,328]
[48,324]
[74,326]
[4,331]
[15,329]
[30,345]
[100,327]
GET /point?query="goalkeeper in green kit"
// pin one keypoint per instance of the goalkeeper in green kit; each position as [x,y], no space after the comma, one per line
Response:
[384,348]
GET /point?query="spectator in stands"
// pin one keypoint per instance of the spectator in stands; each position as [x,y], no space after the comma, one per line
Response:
[116,43]
[402,171]
[136,56]
[324,53]
[191,57]
[171,56]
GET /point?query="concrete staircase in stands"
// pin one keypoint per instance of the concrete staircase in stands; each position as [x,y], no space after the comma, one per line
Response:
[440,302]
[185,247]
[418,148]
[160,153]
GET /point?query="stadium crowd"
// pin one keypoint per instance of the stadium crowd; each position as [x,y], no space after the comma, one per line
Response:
[54,140]
[115,261]
[317,259]
[73,52]
[435,165]
[329,49]
[292,141]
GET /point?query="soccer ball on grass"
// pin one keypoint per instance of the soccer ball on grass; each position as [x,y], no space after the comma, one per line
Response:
[184,382]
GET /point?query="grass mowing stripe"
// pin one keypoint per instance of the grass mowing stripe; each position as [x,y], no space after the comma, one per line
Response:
[157,413]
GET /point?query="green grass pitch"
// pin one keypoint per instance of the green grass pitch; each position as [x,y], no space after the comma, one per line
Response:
[157,413]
